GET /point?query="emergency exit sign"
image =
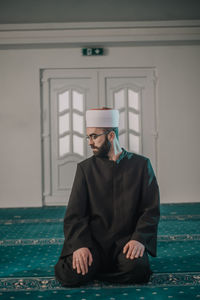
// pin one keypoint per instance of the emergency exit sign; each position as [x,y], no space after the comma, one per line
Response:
[92,51]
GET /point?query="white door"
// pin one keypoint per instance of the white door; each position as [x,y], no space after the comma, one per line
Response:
[67,94]
[132,91]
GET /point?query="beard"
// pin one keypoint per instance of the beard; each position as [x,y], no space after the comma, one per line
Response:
[103,150]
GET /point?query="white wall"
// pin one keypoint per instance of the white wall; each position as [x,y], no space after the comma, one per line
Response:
[178,109]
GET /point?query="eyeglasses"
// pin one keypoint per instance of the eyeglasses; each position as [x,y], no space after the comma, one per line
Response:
[95,136]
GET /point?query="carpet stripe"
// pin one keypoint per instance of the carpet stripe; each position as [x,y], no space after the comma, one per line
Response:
[59,241]
[50,283]
[60,220]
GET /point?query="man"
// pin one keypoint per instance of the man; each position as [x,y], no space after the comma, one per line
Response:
[111,220]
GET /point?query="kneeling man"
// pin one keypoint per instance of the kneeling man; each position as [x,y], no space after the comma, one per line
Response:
[111,221]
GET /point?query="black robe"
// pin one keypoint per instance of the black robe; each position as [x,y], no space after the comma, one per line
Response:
[112,202]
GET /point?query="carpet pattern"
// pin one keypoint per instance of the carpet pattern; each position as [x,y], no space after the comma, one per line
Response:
[31,240]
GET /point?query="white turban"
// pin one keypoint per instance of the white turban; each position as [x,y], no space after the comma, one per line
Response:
[102,117]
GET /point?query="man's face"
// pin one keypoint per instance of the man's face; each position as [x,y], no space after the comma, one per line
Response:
[100,145]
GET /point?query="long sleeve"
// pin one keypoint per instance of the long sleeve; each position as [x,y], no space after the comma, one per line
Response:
[76,219]
[149,211]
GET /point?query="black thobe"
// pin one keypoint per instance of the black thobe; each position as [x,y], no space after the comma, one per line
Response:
[112,202]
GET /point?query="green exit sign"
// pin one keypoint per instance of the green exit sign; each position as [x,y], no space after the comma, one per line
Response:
[92,51]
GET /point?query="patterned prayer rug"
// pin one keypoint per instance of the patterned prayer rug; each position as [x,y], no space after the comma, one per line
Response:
[31,240]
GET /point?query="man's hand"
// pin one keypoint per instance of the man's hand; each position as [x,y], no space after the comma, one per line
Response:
[135,249]
[81,259]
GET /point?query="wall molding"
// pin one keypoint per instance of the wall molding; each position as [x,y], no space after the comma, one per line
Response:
[98,33]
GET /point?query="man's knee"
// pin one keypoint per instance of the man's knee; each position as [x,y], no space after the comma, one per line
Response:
[141,270]
[68,276]
[138,268]
[59,271]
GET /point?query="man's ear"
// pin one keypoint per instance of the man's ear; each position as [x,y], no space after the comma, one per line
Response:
[112,135]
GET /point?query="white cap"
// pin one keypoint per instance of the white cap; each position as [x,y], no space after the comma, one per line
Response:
[102,117]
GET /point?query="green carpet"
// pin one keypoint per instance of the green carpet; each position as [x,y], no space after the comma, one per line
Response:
[31,240]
